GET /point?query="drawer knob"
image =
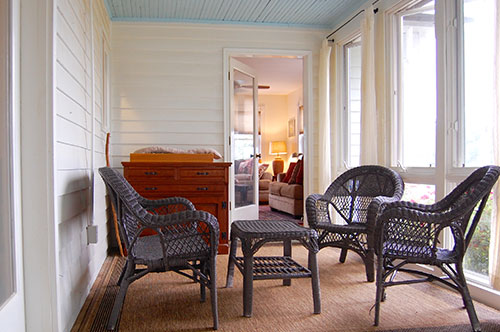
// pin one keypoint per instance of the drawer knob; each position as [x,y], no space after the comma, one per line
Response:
[202,188]
[151,188]
[150,173]
[201,173]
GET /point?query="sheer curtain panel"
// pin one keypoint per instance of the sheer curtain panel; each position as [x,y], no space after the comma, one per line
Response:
[368,98]
[324,117]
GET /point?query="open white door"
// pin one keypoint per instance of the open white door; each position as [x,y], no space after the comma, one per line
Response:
[244,141]
[11,278]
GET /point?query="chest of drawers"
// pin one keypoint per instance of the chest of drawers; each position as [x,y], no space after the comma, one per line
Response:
[204,184]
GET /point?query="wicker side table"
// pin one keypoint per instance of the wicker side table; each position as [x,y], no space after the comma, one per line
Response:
[255,233]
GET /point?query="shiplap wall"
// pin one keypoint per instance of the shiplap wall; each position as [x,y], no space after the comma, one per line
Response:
[79,147]
[167,87]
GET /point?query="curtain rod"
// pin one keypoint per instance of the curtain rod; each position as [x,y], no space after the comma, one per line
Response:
[352,18]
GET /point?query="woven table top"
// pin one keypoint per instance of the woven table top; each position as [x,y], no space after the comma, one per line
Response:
[274,229]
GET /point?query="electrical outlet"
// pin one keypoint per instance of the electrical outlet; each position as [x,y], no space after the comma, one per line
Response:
[92,234]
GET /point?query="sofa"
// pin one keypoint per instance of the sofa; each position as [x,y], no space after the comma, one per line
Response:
[287,193]
[243,169]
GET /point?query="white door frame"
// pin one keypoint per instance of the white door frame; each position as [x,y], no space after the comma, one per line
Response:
[307,95]
[12,314]
[36,154]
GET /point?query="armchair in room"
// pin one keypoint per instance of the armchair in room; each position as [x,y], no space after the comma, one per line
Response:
[345,215]
[408,233]
[185,240]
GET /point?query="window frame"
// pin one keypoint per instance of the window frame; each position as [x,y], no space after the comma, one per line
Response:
[346,129]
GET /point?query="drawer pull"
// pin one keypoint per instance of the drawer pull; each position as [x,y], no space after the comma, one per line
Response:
[151,188]
[151,173]
[201,173]
[202,188]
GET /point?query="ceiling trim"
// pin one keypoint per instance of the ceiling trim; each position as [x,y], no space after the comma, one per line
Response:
[192,21]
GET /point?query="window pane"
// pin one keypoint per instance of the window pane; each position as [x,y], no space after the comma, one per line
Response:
[476,257]
[479,72]
[418,86]
[353,103]
[419,193]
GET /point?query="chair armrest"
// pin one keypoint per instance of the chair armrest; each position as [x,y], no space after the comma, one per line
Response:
[317,210]
[166,205]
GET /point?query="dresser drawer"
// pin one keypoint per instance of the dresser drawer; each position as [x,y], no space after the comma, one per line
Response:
[176,190]
[147,173]
[198,174]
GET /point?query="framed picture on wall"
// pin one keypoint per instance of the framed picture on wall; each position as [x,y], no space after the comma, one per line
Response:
[291,127]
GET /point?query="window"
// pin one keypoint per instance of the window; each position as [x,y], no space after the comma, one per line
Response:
[479,82]
[478,31]
[415,89]
[445,106]
[352,102]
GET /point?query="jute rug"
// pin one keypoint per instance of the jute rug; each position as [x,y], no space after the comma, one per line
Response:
[169,302]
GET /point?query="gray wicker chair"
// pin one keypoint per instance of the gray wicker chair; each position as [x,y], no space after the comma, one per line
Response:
[185,242]
[352,195]
[408,233]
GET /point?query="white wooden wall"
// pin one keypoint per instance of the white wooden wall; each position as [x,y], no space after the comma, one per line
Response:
[167,82]
[79,147]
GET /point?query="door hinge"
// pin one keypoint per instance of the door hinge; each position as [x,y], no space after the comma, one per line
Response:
[228,75]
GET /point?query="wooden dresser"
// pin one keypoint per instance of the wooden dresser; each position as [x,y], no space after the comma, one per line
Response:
[203,183]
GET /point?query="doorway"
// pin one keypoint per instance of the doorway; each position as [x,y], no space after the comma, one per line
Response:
[280,116]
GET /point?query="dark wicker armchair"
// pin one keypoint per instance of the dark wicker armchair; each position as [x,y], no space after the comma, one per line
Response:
[409,233]
[351,196]
[185,242]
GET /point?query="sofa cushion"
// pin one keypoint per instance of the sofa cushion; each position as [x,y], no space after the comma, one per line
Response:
[262,169]
[264,184]
[275,187]
[246,167]
[242,178]
[289,172]
[296,170]
[294,191]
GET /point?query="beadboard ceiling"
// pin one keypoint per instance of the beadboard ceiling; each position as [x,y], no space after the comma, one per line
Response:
[320,14]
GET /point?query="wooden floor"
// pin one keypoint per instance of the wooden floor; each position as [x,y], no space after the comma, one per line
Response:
[169,302]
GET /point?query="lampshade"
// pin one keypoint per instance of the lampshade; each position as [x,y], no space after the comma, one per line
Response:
[277,147]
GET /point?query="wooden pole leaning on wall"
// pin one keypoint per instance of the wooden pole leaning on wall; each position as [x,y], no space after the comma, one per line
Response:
[115,220]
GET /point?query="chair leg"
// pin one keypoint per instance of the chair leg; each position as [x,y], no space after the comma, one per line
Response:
[469,305]
[313,267]
[121,274]
[369,262]
[247,285]
[213,292]
[287,252]
[343,255]
[120,297]
[203,289]
[230,263]
[380,288]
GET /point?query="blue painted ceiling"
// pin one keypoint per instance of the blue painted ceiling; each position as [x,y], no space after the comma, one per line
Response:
[319,14]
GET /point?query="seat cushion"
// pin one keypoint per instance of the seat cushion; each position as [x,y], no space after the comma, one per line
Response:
[275,187]
[294,191]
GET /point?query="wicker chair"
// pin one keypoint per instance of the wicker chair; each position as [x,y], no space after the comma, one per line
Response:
[409,233]
[185,242]
[352,195]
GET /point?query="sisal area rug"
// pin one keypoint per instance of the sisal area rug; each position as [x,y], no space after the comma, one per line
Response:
[169,302]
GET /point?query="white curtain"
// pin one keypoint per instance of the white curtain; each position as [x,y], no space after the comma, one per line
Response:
[368,97]
[495,225]
[324,117]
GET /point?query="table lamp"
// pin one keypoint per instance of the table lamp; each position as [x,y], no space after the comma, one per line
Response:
[277,148]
